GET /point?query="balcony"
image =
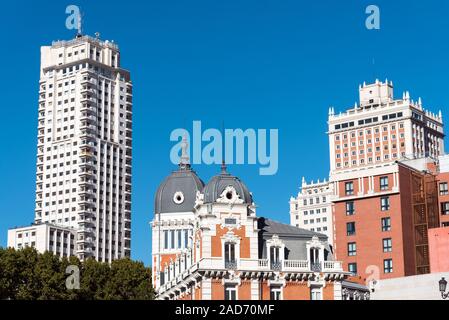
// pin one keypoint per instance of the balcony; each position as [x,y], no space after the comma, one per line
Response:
[266,265]
[175,277]
[332,266]
[231,265]
[293,265]
[86,230]
[88,98]
[88,118]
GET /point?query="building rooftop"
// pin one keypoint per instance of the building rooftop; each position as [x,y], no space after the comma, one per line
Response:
[378,96]
[82,39]
[270,227]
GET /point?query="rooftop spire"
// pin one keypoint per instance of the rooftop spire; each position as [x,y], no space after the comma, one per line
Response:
[223,146]
[184,163]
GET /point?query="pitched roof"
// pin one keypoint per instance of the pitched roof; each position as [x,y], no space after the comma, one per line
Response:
[270,227]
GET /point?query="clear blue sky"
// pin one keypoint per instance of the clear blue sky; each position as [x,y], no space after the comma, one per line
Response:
[252,64]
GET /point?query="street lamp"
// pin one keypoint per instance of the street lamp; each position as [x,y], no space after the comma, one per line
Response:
[443,285]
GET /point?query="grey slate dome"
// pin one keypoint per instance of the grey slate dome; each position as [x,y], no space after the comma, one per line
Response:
[215,187]
[177,193]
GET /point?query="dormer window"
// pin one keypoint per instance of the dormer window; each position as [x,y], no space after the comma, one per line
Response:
[275,259]
[315,254]
[275,250]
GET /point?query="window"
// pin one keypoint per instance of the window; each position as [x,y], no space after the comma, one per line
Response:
[230,262]
[445,208]
[352,249]
[385,203]
[165,239]
[315,294]
[350,228]
[179,239]
[387,245]
[383,183]
[350,208]
[275,258]
[386,224]
[186,238]
[230,292]
[172,239]
[349,188]
[275,293]
[388,266]
[443,189]
[352,267]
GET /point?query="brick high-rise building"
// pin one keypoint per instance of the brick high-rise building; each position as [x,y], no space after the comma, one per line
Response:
[385,229]
[84,150]
[383,154]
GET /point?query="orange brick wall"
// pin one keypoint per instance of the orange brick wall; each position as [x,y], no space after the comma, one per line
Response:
[369,235]
[292,291]
[328,291]
[216,242]
[264,291]
[245,290]
[408,240]
[217,290]
[198,294]
[295,291]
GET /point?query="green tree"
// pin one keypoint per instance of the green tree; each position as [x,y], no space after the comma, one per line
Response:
[27,275]
[94,277]
[129,280]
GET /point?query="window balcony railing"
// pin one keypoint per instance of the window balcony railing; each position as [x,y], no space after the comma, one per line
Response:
[276,265]
[296,265]
[231,264]
[315,266]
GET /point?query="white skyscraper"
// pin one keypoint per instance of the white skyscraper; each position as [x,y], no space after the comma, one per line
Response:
[84,152]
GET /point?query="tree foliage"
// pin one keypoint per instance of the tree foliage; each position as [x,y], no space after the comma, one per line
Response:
[28,275]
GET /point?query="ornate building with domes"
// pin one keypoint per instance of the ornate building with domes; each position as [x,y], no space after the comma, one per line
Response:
[209,244]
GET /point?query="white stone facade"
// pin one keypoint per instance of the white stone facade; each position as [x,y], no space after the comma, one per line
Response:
[421,287]
[84,151]
[44,237]
[311,209]
[381,129]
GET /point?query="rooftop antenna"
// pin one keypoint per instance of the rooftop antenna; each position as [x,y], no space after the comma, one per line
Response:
[80,25]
